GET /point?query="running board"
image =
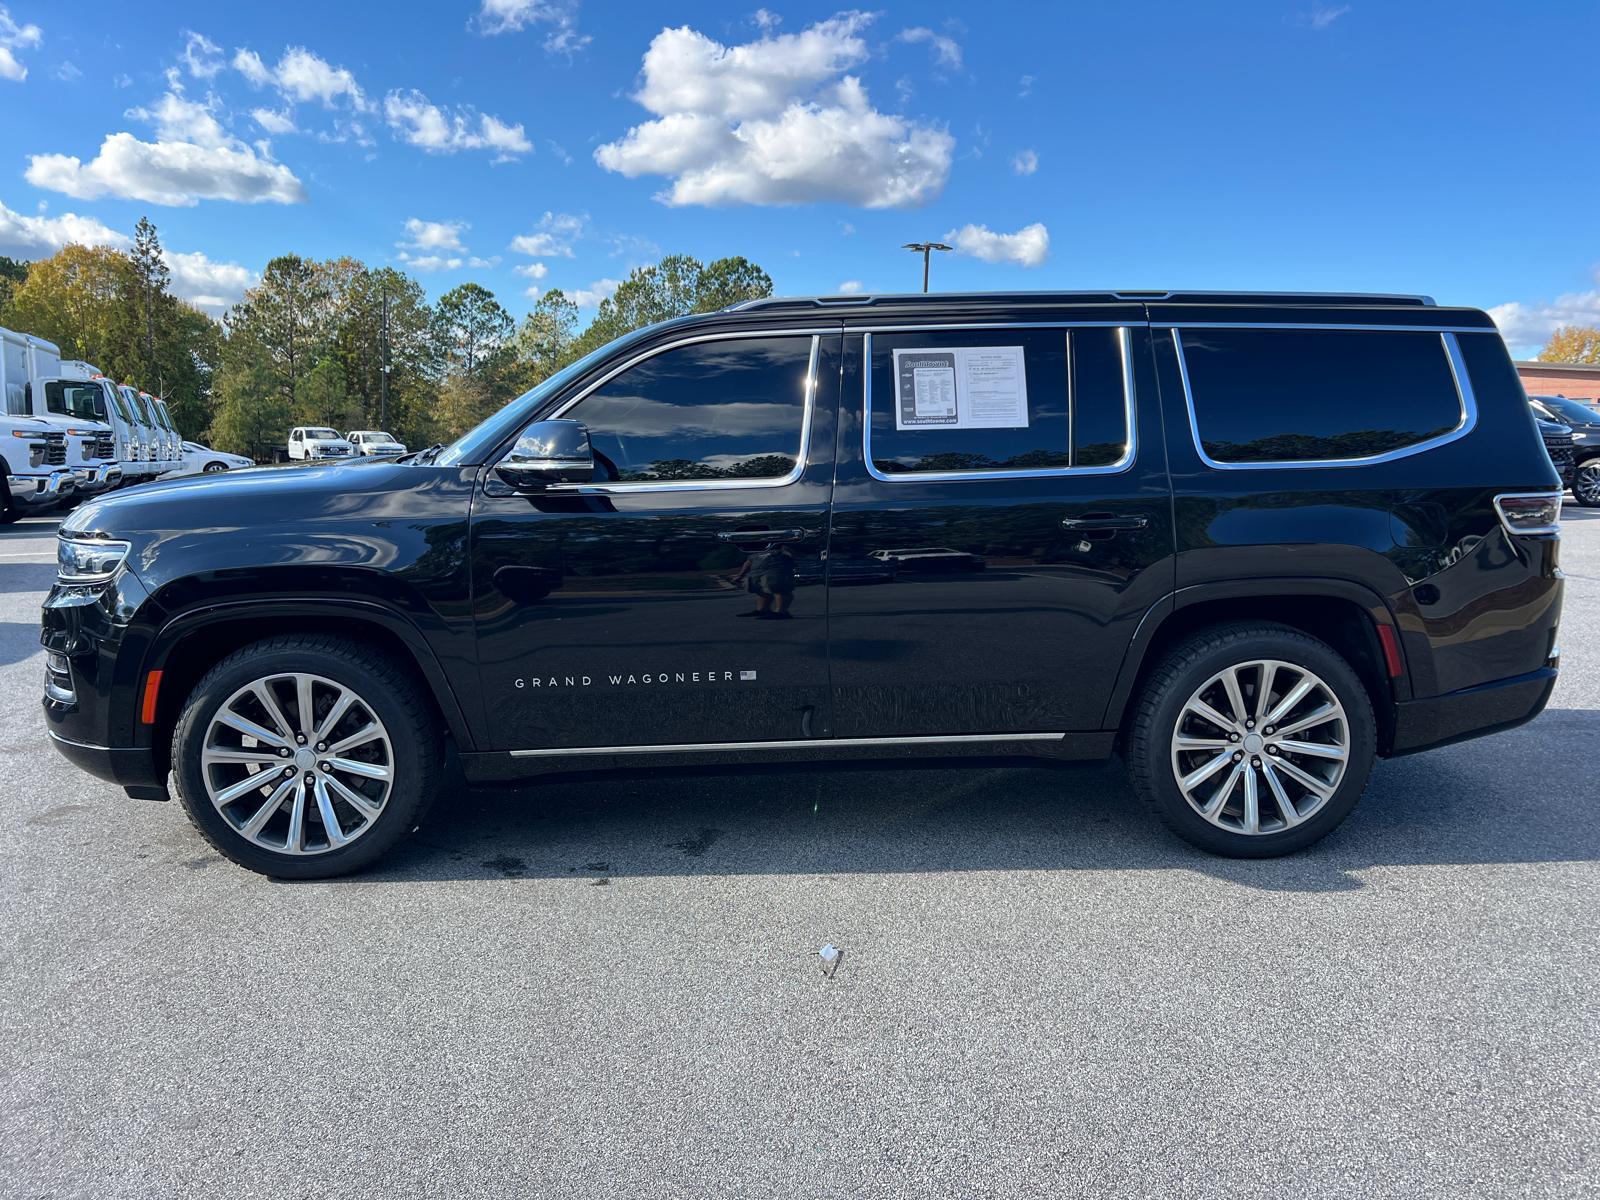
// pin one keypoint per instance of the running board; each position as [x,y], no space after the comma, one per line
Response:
[794,744]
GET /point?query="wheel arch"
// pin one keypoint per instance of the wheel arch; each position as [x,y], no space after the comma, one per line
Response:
[191,643]
[1343,614]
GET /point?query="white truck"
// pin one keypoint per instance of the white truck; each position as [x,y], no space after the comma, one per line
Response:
[317,441]
[33,455]
[60,397]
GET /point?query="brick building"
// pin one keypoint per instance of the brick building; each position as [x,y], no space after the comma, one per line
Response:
[1576,381]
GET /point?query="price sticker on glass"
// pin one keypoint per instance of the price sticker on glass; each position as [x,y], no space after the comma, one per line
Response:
[970,387]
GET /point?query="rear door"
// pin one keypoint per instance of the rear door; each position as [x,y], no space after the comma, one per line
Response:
[1002,520]
[677,599]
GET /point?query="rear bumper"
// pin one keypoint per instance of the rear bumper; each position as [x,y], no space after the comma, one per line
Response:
[131,766]
[1471,713]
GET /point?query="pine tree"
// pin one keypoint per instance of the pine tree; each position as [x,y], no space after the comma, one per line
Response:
[151,277]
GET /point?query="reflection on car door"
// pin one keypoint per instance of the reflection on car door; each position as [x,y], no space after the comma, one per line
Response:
[1028,524]
[624,612]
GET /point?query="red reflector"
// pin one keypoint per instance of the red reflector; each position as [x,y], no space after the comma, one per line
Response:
[152,688]
[1391,651]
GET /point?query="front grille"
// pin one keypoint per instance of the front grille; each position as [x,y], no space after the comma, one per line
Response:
[55,455]
[105,448]
[1559,448]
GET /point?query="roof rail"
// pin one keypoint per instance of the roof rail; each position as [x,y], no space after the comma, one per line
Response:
[1152,295]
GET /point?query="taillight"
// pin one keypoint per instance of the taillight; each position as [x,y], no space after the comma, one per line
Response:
[1530,512]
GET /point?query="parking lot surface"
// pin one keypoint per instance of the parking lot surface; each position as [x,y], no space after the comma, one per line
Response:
[610,987]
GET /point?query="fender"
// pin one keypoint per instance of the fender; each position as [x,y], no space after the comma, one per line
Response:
[180,626]
[1162,610]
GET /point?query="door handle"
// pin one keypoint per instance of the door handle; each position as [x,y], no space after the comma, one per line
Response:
[1099,521]
[761,535]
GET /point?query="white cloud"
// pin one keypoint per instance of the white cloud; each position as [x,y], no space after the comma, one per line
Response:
[597,291]
[1526,327]
[274,122]
[1025,163]
[67,72]
[15,37]
[121,81]
[202,56]
[554,237]
[513,16]
[302,76]
[1320,18]
[428,264]
[435,235]
[212,286]
[944,50]
[194,159]
[532,271]
[775,121]
[1028,247]
[850,287]
[40,237]
[440,131]
[1027,82]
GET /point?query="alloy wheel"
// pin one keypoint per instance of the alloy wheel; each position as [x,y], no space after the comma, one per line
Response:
[1260,747]
[1586,484]
[297,764]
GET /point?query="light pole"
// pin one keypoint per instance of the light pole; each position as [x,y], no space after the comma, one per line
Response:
[924,248]
[383,376]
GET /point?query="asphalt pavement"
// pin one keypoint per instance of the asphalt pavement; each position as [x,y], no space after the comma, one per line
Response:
[610,987]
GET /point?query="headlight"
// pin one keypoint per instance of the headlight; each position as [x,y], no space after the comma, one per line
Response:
[88,562]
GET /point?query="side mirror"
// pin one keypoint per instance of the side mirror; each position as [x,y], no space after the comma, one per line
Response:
[548,452]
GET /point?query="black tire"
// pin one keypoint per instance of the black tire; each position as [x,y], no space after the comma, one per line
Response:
[382,685]
[1183,671]
[1586,483]
[9,513]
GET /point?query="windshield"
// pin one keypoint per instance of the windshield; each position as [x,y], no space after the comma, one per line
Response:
[373,435]
[324,435]
[136,402]
[122,405]
[81,400]
[472,445]
[1569,410]
[160,410]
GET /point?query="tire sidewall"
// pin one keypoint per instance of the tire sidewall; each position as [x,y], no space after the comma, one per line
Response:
[405,796]
[1290,646]
[1593,462]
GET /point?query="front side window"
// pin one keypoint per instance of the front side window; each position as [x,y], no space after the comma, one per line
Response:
[80,400]
[1317,395]
[997,400]
[729,409]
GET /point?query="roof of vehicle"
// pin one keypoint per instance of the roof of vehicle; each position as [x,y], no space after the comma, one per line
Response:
[1001,299]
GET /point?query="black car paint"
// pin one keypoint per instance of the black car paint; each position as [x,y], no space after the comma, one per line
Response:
[486,590]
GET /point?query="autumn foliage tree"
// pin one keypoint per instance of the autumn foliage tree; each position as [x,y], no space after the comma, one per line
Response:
[1573,344]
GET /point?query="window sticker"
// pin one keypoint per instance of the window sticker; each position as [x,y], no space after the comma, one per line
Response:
[974,387]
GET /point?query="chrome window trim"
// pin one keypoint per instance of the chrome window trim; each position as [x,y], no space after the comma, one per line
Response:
[1125,344]
[693,747]
[702,485]
[921,326]
[1320,325]
[1458,369]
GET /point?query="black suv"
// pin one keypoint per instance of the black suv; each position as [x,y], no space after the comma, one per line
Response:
[1583,444]
[1249,542]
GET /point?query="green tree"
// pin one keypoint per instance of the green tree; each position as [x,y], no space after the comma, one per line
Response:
[321,397]
[76,299]
[252,411]
[730,281]
[13,274]
[148,279]
[465,400]
[282,320]
[547,340]
[471,326]
[675,287]
[1573,344]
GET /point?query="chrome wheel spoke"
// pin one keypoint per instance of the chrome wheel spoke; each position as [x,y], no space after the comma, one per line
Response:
[1219,800]
[1201,708]
[1185,742]
[1286,806]
[1319,787]
[1269,674]
[1318,716]
[1230,684]
[1314,749]
[365,770]
[1189,782]
[1252,801]
[1295,694]
[235,774]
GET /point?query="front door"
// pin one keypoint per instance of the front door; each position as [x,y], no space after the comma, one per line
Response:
[1002,520]
[677,599]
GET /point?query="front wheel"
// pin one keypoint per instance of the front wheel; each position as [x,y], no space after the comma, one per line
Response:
[306,756]
[1586,484]
[211,468]
[1252,740]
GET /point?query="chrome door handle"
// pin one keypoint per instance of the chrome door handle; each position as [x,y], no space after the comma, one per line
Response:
[1107,522]
[761,535]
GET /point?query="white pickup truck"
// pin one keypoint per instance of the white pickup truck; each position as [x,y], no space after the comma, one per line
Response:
[60,396]
[317,441]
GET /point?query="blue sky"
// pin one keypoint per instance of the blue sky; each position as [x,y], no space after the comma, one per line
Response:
[525,144]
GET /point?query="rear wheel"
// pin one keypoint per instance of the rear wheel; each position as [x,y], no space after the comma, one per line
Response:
[1586,483]
[1252,740]
[305,756]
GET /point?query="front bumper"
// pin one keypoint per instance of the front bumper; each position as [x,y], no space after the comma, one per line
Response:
[131,767]
[91,481]
[37,493]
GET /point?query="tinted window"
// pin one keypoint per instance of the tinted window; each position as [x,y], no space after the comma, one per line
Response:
[1302,395]
[997,400]
[1568,411]
[730,409]
[81,400]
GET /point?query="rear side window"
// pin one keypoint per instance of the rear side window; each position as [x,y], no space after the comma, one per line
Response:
[80,400]
[1315,395]
[728,409]
[996,400]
